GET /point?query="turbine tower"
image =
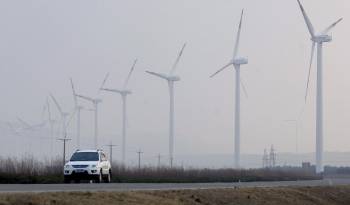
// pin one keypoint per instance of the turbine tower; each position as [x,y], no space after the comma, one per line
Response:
[171,78]
[124,92]
[77,109]
[318,39]
[95,102]
[236,62]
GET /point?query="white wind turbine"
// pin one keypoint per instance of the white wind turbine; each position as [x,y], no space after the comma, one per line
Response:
[77,109]
[236,62]
[124,92]
[51,124]
[95,102]
[318,39]
[63,114]
[171,78]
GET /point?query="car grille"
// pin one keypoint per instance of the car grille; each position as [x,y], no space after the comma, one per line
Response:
[80,166]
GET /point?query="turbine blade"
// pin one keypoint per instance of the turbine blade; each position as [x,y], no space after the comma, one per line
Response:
[307,20]
[11,126]
[57,105]
[129,75]
[331,26]
[244,88]
[39,125]
[158,75]
[103,82]
[112,90]
[236,48]
[74,93]
[24,123]
[308,77]
[43,111]
[223,68]
[177,60]
[48,109]
[85,98]
[71,118]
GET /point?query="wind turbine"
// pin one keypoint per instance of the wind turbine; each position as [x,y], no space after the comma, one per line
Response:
[95,102]
[171,78]
[51,124]
[124,92]
[64,116]
[77,109]
[318,39]
[236,62]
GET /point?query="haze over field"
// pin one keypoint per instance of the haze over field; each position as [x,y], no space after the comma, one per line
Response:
[44,43]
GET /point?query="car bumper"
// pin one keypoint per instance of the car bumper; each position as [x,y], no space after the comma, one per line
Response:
[85,175]
[68,172]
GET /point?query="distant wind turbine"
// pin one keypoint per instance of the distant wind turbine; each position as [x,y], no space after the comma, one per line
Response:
[124,92]
[64,116]
[51,124]
[236,62]
[318,39]
[77,109]
[95,102]
[171,78]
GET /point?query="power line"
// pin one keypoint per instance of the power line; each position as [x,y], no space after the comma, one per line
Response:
[111,145]
[139,156]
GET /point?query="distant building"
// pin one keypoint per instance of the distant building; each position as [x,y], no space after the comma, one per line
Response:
[307,167]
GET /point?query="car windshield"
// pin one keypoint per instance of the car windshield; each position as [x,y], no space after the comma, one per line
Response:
[85,156]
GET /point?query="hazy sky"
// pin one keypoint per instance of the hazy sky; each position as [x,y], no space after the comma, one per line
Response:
[43,43]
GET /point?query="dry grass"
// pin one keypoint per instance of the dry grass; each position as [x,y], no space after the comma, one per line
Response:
[248,196]
[180,175]
[31,170]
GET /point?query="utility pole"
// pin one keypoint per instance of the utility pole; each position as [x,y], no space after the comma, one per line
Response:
[111,145]
[265,159]
[139,155]
[159,157]
[272,157]
[64,140]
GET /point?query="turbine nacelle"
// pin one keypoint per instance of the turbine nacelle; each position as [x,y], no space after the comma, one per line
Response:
[125,92]
[240,61]
[173,78]
[164,76]
[121,92]
[322,38]
[93,100]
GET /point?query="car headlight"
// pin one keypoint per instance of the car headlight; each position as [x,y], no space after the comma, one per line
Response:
[93,166]
[67,166]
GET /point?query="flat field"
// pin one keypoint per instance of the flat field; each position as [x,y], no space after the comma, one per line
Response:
[335,195]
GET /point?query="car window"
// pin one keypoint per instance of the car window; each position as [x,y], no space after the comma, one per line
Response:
[85,156]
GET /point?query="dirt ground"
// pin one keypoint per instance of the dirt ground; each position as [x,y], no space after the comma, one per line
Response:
[245,196]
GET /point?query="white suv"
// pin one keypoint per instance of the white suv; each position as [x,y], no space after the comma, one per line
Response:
[88,165]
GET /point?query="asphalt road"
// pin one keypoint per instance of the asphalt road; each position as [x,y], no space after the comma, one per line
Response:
[5,188]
